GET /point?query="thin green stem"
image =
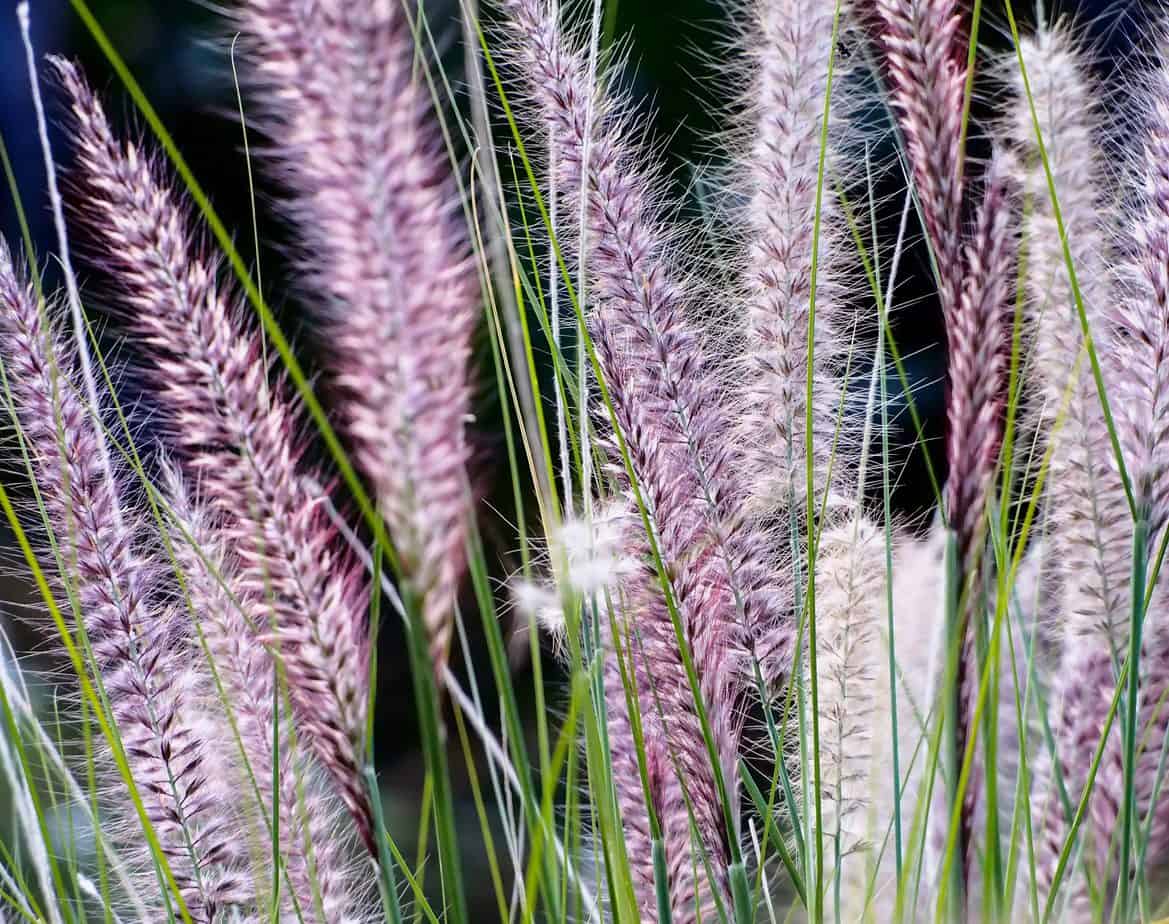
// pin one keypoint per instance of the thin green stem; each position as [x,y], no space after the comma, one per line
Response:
[1130,727]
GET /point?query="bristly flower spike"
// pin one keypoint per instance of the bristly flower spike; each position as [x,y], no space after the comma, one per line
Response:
[385,255]
[977,335]
[268,763]
[234,425]
[1141,322]
[1139,355]
[667,407]
[790,49]
[927,76]
[927,73]
[1090,519]
[795,265]
[1083,482]
[154,689]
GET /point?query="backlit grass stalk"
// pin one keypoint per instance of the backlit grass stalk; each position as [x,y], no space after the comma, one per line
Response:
[850,577]
[234,425]
[153,690]
[666,406]
[385,255]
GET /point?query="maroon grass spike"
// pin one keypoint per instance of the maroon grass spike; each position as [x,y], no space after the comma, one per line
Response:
[977,337]
[927,72]
[386,260]
[238,434]
[140,658]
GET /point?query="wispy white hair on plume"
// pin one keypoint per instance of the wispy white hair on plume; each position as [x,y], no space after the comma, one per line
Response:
[385,254]
[1084,487]
[918,594]
[1140,342]
[588,559]
[850,615]
[1139,389]
[234,425]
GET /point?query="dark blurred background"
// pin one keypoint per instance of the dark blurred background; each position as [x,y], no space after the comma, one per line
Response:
[178,50]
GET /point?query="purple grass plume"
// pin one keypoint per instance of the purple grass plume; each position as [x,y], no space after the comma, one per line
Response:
[1086,502]
[271,771]
[730,539]
[790,49]
[238,433]
[926,66]
[156,693]
[978,339]
[1083,483]
[1141,319]
[927,71]
[385,257]
[671,423]
[1139,362]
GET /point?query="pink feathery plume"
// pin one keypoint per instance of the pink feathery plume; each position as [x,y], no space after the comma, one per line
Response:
[155,691]
[1139,355]
[789,46]
[1141,323]
[385,252]
[1105,804]
[927,72]
[927,75]
[1088,510]
[644,671]
[795,265]
[977,334]
[1058,102]
[317,884]
[664,393]
[235,426]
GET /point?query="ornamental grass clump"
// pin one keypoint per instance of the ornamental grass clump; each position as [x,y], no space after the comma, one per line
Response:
[775,693]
